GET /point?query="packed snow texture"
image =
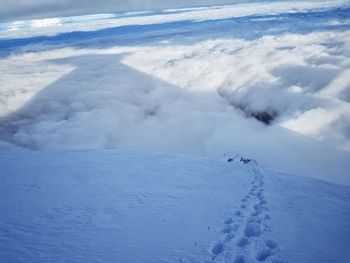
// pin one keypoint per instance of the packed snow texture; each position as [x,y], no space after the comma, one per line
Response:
[269,81]
[120,206]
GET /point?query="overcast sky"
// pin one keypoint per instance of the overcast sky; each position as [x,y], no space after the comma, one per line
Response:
[11,10]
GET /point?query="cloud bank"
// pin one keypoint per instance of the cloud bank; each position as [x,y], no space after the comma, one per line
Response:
[29,9]
[37,9]
[188,93]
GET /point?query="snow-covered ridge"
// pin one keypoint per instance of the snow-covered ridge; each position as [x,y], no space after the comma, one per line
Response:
[94,22]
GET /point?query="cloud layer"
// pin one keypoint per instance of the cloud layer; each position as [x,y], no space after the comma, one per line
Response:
[29,9]
[196,90]
[36,9]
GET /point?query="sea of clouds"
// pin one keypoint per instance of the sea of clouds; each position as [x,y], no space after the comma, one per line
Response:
[34,9]
[189,91]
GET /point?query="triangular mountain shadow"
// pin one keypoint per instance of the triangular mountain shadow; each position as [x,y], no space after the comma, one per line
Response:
[96,85]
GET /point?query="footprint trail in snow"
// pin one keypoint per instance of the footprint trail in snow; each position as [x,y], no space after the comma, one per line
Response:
[244,235]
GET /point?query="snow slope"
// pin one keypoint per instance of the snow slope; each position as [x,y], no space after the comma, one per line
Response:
[120,206]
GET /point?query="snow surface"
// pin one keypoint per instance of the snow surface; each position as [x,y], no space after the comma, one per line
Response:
[121,206]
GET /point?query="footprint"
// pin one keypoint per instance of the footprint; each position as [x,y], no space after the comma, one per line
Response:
[217,248]
[260,192]
[228,220]
[252,230]
[262,201]
[254,220]
[229,236]
[242,242]
[263,254]
[226,229]
[238,213]
[261,198]
[258,207]
[267,217]
[254,213]
[239,259]
[270,243]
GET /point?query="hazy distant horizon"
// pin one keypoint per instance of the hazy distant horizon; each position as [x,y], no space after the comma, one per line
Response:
[40,9]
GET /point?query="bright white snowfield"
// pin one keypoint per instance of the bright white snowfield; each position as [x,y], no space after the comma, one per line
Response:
[116,131]
[119,206]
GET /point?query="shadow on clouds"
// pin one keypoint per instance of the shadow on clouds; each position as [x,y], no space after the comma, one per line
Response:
[104,104]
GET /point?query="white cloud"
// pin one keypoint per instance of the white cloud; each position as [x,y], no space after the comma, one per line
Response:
[46,22]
